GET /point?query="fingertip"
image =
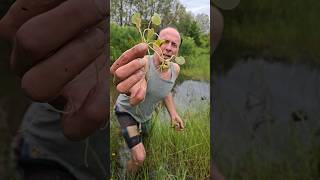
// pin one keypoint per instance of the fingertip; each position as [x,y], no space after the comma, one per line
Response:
[111,70]
[142,47]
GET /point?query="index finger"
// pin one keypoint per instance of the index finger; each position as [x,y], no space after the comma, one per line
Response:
[20,12]
[47,32]
[138,51]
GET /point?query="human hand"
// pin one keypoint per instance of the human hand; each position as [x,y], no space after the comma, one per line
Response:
[177,122]
[138,92]
[59,53]
[129,73]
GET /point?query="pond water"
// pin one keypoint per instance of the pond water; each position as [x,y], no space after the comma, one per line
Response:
[189,96]
[262,104]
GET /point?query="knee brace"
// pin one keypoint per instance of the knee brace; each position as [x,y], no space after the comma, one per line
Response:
[131,135]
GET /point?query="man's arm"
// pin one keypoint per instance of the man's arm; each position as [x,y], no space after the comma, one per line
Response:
[168,101]
[175,118]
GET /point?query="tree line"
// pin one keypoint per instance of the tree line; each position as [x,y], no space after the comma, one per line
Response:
[172,12]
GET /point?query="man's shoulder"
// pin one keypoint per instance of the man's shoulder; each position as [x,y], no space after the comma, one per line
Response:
[176,67]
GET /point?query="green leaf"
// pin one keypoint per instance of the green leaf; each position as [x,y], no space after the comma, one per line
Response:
[136,19]
[156,20]
[180,60]
[150,33]
[159,42]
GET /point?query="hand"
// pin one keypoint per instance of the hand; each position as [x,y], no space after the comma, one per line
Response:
[129,73]
[59,52]
[177,122]
[138,92]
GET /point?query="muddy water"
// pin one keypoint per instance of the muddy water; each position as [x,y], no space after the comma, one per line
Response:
[261,105]
[189,96]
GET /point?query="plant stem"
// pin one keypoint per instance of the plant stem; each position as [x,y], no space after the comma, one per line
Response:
[149,24]
[142,38]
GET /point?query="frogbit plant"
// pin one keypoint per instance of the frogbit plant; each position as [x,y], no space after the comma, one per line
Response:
[147,37]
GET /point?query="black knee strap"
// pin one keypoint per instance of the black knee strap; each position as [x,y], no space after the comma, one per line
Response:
[131,141]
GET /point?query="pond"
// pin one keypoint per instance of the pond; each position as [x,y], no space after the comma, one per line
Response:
[189,96]
[271,107]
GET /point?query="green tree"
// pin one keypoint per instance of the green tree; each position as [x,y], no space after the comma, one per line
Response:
[188,26]
[122,10]
[203,22]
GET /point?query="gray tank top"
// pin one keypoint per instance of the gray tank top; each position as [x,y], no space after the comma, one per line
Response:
[43,139]
[157,90]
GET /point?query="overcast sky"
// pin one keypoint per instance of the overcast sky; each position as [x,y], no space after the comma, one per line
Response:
[197,6]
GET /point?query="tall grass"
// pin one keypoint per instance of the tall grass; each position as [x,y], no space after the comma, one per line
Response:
[280,30]
[171,154]
[299,159]
[197,66]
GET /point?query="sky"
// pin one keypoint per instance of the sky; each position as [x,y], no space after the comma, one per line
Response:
[197,6]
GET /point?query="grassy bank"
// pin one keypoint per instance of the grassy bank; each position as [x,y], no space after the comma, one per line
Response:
[170,154]
[197,66]
[279,30]
[299,159]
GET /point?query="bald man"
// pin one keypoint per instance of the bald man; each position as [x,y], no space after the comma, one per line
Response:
[133,108]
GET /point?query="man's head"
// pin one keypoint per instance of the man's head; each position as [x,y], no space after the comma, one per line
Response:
[172,42]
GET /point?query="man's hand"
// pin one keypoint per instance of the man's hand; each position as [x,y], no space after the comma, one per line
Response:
[129,73]
[138,92]
[59,53]
[177,123]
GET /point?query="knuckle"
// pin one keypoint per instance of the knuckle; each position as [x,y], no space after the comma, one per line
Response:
[140,97]
[32,91]
[120,88]
[118,73]
[26,44]
[136,64]
[126,56]
[97,114]
[94,39]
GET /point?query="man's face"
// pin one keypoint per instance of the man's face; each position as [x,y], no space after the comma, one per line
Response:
[172,42]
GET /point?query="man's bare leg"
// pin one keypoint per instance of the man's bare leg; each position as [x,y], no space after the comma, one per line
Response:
[138,155]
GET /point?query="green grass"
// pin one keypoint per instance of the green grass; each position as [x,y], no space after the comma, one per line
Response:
[278,30]
[171,154]
[197,66]
[300,159]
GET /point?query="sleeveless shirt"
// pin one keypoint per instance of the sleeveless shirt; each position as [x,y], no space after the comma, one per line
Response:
[157,90]
[43,139]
